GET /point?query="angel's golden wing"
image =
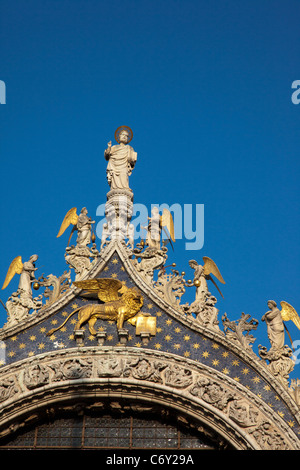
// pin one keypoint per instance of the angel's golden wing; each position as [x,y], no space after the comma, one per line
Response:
[71,217]
[166,220]
[210,267]
[106,289]
[289,313]
[16,267]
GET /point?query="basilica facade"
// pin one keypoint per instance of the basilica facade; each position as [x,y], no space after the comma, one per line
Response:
[108,355]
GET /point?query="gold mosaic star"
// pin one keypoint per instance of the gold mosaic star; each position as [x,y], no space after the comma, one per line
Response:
[215,362]
[41,346]
[177,329]
[196,345]
[256,380]
[215,346]
[245,371]
[235,362]
[138,345]
[168,338]
[187,354]
[225,371]
[281,414]
[177,346]
[186,338]
[205,354]
[225,354]
[168,322]
[157,346]
[32,338]
[115,261]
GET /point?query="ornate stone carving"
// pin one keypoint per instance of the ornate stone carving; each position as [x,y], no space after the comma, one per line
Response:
[234,330]
[206,312]
[212,392]
[81,259]
[8,388]
[111,367]
[243,413]
[280,363]
[170,287]
[18,306]
[168,378]
[150,260]
[144,370]
[178,377]
[59,286]
[36,376]
[72,369]
[268,437]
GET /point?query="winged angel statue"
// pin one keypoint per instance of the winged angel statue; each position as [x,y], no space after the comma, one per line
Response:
[26,271]
[275,319]
[119,303]
[21,301]
[156,224]
[203,274]
[82,223]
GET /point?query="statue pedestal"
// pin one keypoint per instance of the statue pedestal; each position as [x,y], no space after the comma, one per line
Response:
[118,212]
[123,336]
[101,337]
[79,337]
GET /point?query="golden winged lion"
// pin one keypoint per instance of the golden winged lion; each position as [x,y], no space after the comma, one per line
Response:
[120,303]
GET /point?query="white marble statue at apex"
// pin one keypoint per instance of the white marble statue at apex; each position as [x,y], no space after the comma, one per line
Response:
[121,159]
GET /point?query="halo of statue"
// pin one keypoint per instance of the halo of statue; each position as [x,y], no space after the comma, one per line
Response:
[124,128]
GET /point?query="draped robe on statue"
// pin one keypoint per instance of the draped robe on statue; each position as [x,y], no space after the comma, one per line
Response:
[121,160]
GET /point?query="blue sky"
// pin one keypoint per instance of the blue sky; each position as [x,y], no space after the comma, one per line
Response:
[206,88]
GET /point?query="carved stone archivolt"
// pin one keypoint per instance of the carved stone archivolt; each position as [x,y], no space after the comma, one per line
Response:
[213,399]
